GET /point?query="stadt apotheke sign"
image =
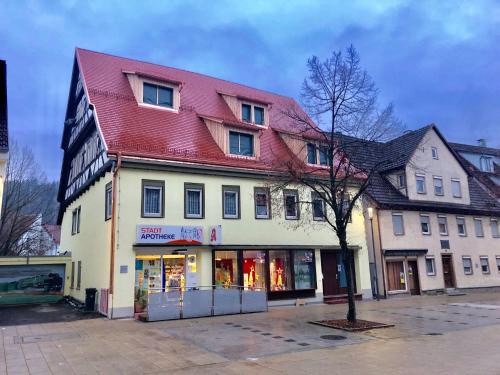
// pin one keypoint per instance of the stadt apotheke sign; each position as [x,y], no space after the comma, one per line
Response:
[177,234]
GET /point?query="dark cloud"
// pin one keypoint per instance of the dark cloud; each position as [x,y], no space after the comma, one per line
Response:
[436,61]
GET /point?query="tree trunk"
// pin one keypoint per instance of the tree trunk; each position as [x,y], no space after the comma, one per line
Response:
[347,260]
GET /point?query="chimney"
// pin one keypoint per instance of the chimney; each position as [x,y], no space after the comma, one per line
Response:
[481,142]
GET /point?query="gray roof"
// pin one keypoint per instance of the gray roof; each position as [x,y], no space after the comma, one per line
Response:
[399,151]
[460,147]
[396,154]
[4,135]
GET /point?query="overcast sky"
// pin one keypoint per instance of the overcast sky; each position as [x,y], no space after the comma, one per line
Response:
[437,61]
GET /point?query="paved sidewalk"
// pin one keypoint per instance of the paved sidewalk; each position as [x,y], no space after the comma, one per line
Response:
[273,342]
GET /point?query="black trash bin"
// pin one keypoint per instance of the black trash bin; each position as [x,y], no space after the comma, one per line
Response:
[90,299]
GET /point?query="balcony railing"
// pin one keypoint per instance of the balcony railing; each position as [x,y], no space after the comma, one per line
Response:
[182,303]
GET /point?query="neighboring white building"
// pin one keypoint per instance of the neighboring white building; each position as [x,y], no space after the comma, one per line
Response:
[51,237]
[434,226]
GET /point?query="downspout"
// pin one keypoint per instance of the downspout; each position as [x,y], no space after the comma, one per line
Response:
[382,260]
[113,227]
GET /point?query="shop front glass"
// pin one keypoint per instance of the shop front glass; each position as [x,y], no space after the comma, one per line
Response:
[280,270]
[226,268]
[174,266]
[303,267]
[254,271]
[147,278]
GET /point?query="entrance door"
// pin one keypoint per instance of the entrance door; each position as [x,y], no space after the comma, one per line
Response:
[449,280]
[174,266]
[413,282]
[396,276]
[334,281]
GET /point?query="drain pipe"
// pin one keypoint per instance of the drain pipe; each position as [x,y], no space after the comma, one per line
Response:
[113,230]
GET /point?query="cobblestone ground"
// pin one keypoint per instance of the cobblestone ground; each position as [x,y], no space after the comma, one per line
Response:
[432,335]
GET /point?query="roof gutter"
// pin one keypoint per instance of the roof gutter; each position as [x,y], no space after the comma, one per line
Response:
[113,225]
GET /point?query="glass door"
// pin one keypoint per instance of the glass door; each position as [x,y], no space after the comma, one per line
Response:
[175,271]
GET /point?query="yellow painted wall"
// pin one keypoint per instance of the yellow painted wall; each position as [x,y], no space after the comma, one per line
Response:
[247,230]
[92,244]
[18,261]
[469,245]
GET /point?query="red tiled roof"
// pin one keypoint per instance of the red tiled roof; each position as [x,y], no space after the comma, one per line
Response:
[154,133]
[54,231]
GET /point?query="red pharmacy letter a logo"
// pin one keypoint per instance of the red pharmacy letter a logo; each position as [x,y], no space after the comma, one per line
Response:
[213,235]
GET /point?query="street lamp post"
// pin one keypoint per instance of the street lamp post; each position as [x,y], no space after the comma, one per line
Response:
[370,215]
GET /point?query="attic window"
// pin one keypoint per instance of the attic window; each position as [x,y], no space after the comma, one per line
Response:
[246,112]
[317,155]
[486,164]
[252,113]
[158,95]
[434,151]
[240,144]
[258,114]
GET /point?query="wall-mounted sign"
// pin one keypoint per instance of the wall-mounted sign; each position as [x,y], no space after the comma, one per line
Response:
[215,235]
[169,234]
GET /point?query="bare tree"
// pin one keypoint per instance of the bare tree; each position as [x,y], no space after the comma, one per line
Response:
[27,199]
[342,99]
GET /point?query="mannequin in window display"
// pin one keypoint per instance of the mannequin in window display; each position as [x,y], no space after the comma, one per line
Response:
[224,274]
[279,282]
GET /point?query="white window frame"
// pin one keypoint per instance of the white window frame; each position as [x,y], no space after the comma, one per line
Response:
[296,197]
[438,178]
[494,224]
[480,221]
[481,258]
[422,177]
[398,214]
[158,86]
[401,180]
[160,201]
[486,163]
[308,144]
[454,182]
[471,265]
[434,152]
[234,191]
[266,192]
[497,258]
[75,220]
[108,201]
[252,113]
[464,224]
[428,224]
[239,143]
[433,261]
[445,233]
[200,191]
[263,115]
[314,198]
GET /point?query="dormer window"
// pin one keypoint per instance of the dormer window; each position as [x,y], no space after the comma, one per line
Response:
[158,95]
[317,155]
[486,164]
[240,144]
[311,153]
[246,112]
[252,113]
[258,115]
[323,159]
[401,181]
